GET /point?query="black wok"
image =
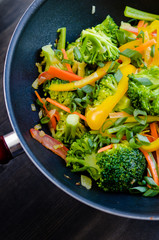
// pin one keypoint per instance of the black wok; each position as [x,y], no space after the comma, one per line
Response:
[38,27]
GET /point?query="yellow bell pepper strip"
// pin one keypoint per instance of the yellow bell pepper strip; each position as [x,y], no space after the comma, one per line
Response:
[151,29]
[125,61]
[96,117]
[130,45]
[153,146]
[81,83]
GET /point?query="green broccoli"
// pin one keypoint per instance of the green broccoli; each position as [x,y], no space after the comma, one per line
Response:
[69,128]
[109,27]
[83,152]
[104,88]
[121,168]
[115,170]
[49,57]
[65,98]
[143,90]
[97,44]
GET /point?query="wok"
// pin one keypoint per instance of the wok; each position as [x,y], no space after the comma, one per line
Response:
[38,27]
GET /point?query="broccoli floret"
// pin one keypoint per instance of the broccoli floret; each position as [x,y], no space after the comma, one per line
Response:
[109,27]
[105,87]
[97,47]
[65,98]
[69,128]
[83,151]
[143,90]
[120,168]
[98,44]
[49,58]
[115,170]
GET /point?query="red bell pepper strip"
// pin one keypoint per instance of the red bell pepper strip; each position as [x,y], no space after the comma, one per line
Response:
[50,143]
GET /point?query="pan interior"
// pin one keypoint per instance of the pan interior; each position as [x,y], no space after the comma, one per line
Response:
[37,28]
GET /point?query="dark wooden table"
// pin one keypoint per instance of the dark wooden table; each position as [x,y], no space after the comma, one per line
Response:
[31,207]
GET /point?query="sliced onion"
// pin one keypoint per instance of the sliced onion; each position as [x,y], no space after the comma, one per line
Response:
[86,182]
[33,107]
[35,84]
[38,126]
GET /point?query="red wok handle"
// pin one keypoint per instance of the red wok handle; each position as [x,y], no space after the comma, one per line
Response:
[9,147]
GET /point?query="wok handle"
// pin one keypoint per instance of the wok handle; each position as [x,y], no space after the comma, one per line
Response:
[9,147]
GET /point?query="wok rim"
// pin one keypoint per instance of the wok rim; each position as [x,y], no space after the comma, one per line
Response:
[10,50]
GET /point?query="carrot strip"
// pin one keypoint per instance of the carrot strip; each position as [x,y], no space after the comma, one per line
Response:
[153,129]
[154,133]
[63,107]
[40,99]
[49,114]
[105,148]
[145,45]
[151,166]
[145,25]
[140,24]
[63,75]
[68,66]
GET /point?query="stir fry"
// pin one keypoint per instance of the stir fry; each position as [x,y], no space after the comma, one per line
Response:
[101,103]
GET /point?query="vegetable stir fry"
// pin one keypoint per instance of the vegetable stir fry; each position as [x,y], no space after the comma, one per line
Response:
[101,103]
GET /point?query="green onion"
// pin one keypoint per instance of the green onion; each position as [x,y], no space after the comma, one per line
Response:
[151,193]
[152,53]
[113,67]
[139,189]
[62,38]
[87,88]
[139,128]
[121,37]
[135,56]
[141,35]
[45,120]
[134,144]
[120,134]
[59,54]
[150,181]
[129,110]
[131,53]
[39,103]
[115,140]
[100,64]
[77,54]
[136,114]
[137,14]
[116,129]
[129,134]
[142,139]
[143,81]
[118,75]
[67,61]
[120,121]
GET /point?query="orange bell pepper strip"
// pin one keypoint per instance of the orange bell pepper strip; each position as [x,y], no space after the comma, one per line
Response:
[81,83]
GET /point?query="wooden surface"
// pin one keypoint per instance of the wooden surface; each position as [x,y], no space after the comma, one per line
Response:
[33,208]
